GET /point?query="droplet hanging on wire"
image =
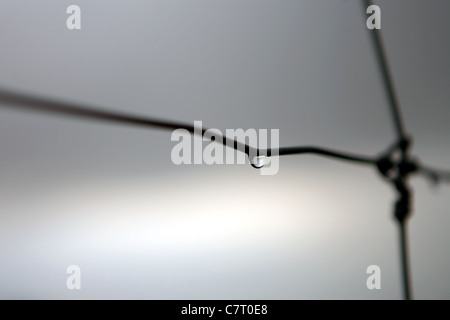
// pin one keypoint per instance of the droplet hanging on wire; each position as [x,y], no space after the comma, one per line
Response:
[258,162]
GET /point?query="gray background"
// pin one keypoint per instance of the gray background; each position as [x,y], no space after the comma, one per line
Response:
[109,199]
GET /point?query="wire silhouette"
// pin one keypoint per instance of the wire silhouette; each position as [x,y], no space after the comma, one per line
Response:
[402,208]
[405,166]
[27,102]
[395,164]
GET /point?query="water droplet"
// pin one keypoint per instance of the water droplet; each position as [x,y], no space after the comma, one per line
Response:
[258,162]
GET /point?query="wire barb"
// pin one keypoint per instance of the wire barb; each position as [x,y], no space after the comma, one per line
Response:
[384,163]
[387,79]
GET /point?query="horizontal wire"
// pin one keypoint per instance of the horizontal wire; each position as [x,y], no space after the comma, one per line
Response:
[38,104]
[387,81]
[19,101]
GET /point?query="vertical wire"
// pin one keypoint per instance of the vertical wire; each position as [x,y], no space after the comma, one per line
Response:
[387,79]
[407,290]
[391,96]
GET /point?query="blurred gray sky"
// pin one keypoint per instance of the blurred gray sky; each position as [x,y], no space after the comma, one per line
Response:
[109,199]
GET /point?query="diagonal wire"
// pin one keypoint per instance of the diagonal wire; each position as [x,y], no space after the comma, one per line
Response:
[384,162]
[20,101]
[387,79]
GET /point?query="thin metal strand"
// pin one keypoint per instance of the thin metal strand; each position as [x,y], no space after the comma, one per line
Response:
[30,103]
[387,79]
